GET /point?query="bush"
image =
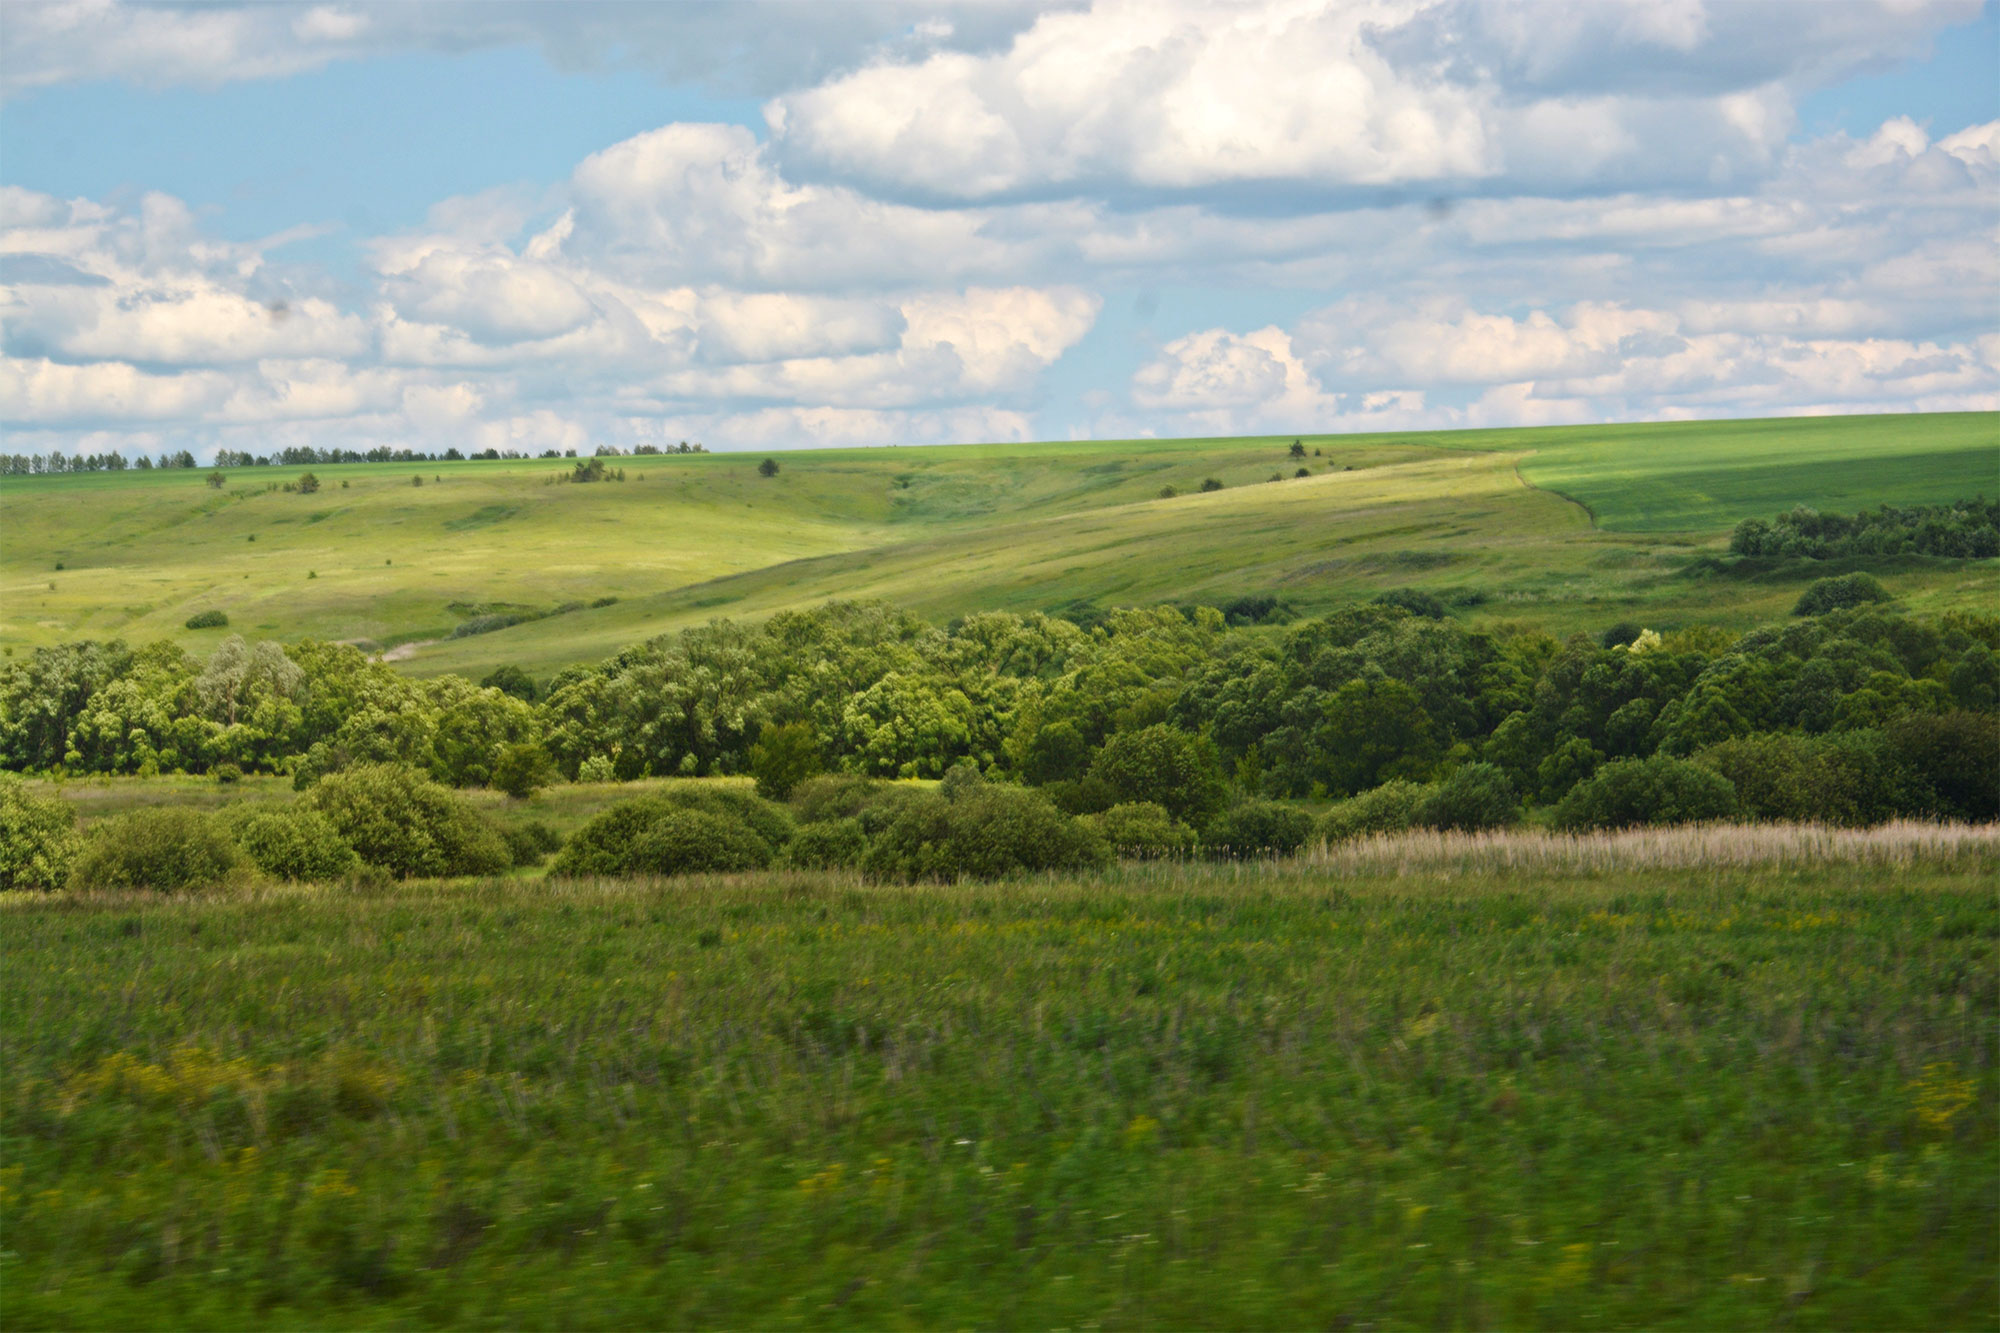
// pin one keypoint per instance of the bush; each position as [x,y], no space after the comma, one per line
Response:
[207,620]
[1953,762]
[986,834]
[1413,600]
[522,770]
[834,796]
[1144,831]
[772,823]
[511,680]
[168,848]
[656,835]
[783,757]
[1659,790]
[1210,484]
[396,818]
[298,844]
[1477,796]
[38,838]
[529,844]
[226,774]
[1621,635]
[1389,808]
[1824,595]
[833,844]
[687,841]
[1851,778]
[1258,828]
[1163,765]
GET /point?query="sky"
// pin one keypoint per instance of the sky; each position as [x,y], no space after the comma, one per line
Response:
[445,223]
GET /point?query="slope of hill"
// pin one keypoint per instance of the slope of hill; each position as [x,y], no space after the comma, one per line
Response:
[1563,527]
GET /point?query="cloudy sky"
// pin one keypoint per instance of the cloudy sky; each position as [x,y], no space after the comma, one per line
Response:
[444,222]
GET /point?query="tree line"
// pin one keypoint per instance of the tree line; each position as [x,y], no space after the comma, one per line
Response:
[1160,699]
[60,464]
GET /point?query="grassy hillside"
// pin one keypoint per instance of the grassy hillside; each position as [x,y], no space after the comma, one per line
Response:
[1565,527]
[1231,1097]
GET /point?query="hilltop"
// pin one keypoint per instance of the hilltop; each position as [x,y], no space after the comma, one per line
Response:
[1562,527]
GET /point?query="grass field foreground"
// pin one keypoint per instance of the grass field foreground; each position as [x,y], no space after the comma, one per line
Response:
[1265,1095]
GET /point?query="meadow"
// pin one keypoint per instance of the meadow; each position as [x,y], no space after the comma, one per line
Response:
[1449,1086]
[1563,528]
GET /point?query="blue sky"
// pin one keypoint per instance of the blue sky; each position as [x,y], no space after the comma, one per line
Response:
[759,225]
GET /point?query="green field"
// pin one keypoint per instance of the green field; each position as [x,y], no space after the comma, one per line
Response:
[1565,527]
[1263,1096]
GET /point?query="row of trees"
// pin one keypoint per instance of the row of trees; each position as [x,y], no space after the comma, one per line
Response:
[58,464]
[1164,705]
[1969,529]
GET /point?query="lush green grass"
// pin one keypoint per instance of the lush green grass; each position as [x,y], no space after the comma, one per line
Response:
[1234,1097]
[1503,515]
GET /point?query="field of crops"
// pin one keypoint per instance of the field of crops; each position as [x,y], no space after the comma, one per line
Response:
[1596,1089]
[1567,528]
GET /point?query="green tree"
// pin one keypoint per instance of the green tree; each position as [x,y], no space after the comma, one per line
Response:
[38,840]
[783,757]
[522,769]
[768,468]
[308,483]
[1165,766]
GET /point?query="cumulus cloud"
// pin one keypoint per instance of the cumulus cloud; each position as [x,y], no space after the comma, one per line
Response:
[1514,212]
[1191,95]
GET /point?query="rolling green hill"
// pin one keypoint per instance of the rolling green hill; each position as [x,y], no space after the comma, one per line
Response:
[1561,527]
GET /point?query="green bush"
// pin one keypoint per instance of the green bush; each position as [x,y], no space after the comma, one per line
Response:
[661,835]
[830,844]
[1952,761]
[1390,808]
[1659,790]
[207,620]
[38,838]
[1165,766]
[1477,796]
[1144,831]
[834,796]
[226,774]
[986,834]
[772,823]
[1824,595]
[783,757]
[396,818]
[522,770]
[1851,778]
[298,843]
[1258,828]
[529,844]
[167,848]
[688,841]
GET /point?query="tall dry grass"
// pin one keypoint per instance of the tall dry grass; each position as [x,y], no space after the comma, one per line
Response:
[1687,847]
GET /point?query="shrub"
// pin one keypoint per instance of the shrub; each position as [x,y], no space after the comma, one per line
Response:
[1389,808]
[529,844]
[1953,762]
[1850,778]
[1210,484]
[38,838]
[687,841]
[296,844]
[597,768]
[396,818]
[207,620]
[1144,831]
[167,848]
[226,774]
[1415,601]
[513,681]
[987,834]
[522,770]
[1477,796]
[834,796]
[1621,635]
[772,823]
[768,468]
[1165,766]
[1824,595]
[833,844]
[660,836]
[783,757]
[1659,790]
[1258,828]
